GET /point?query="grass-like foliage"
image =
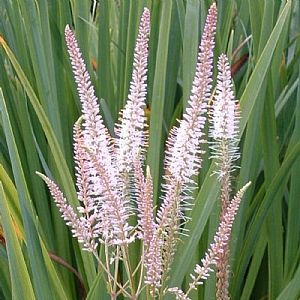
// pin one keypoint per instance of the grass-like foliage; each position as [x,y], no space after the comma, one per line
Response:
[145,194]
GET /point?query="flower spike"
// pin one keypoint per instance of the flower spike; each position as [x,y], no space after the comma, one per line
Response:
[182,156]
[131,130]
[95,131]
[183,159]
[81,227]
[212,256]
[225,118]
[224,130]
[97,176]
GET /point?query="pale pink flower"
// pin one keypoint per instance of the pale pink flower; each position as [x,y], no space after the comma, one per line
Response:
[183,152]
[224,130]
[221,239]
[225,118]
[131,131]
[81,227]
[182,159]
[146,223]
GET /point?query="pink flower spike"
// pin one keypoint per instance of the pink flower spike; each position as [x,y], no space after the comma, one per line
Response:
[131,131]
[183,159]
[225,114]
[225,118]
[81,227]
[221,238]
[183,153]
[96,136]
[97,173]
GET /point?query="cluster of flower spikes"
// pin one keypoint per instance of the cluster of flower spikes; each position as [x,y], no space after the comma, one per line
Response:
[110,173]
[104,166]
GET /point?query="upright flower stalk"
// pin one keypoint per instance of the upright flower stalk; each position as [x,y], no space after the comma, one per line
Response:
[132,141]
[106,168]
[212,256]
[97,175]
[183,156]
[113,182]
[225,127]
[224,130]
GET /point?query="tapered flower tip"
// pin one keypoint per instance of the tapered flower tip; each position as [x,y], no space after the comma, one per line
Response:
[212,14]
[132,129]
[146,17]
[68,32]
[225,117]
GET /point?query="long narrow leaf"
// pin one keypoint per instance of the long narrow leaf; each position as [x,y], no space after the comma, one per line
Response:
[252,90]
[38,270]
[21,284]
[275,189]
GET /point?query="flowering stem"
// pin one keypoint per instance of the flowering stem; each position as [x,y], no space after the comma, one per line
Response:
[224,131]
[221,238]
[126,261]
[105,269]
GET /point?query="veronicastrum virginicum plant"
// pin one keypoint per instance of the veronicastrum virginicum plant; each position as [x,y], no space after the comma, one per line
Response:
[114,184]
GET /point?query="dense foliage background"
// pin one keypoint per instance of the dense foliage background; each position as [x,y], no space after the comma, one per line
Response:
[39,105]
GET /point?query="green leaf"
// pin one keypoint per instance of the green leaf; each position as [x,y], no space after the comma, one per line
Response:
[202,209]
[58,156]
[41,287]
[20,280]
[292,290]
[275,190]
[251,92]
[154,155]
